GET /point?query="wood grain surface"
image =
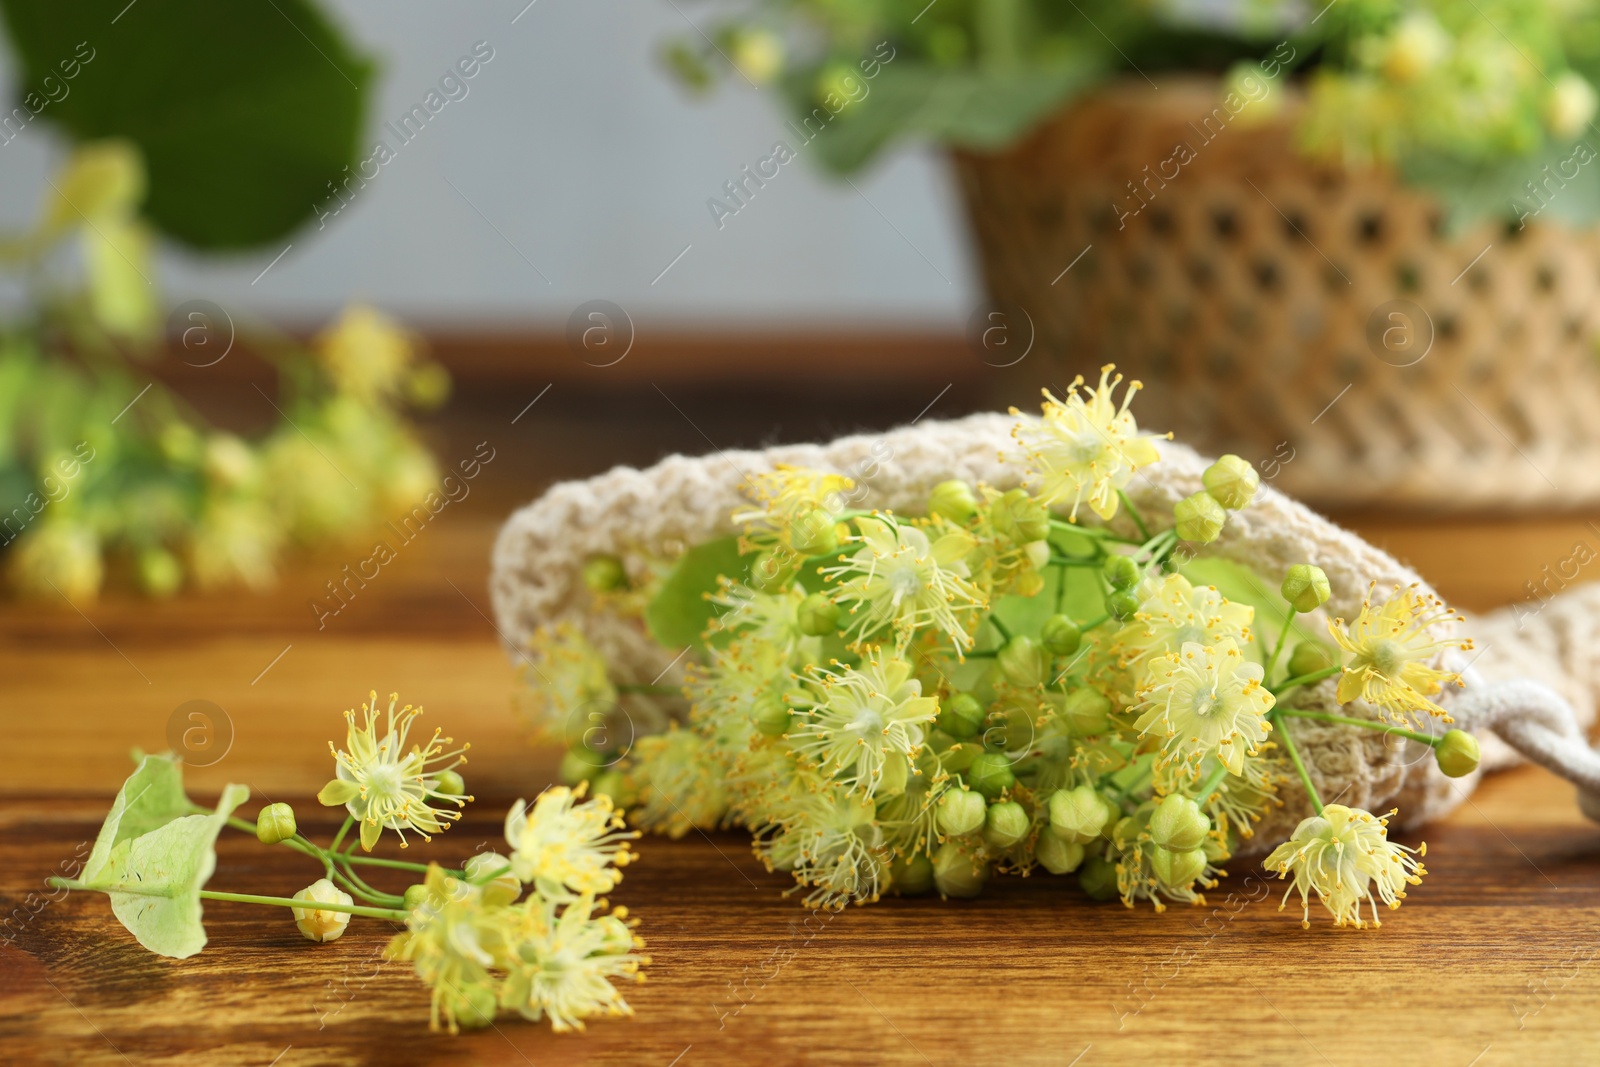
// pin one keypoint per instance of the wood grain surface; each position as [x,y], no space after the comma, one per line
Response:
[1489,962]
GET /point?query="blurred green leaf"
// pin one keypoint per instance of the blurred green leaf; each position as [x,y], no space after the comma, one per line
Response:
[680,611]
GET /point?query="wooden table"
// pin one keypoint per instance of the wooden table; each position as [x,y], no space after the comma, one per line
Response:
[1488,962]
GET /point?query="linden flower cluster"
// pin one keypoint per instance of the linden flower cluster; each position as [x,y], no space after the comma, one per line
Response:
[1034,677]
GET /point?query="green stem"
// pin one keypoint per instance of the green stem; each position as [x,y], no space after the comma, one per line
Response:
[1299,765]
[1074,561]
[1090,531]
[1305,679]
[349,880]
[1085,627]
[310,905]
[1326,716]
[1213,780]
[399,865]
[1133,513]
[338,838]
[1277,650]
[1005,634]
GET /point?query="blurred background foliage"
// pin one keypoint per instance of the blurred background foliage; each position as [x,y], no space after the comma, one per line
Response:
[215,126]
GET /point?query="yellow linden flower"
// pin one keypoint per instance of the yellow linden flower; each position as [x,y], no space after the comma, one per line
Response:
[1205,701]
[1391,648]
[829,839]
[907,582]
[454,939]
[1342,855]
[566,962]
[857,723]
[1086,447]
[386,786]
[1174,612]
[678,782]
[366,353]
[566,845]
[564,681]
[784,498]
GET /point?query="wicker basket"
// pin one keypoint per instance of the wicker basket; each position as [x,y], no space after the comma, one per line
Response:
[1318,322]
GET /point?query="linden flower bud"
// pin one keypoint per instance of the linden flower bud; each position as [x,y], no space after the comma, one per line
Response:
[815,533]
[957,758]
[1086,711]
[1178,824]
[957,872]
[1098,877]
[1199,518]
[1305,587]
[1310,657]
[604,574]
[772,716]
[275,823]
[1079,815]
[960,812]
[578,764]
[1058,856]
[817,616]
[1178,869]
[1060,635]
[953,500]
[1570,106]
[1122,605]
[415,896]
[316,924]
[911,876]
[1019,517]
[1457,753]
[961,716]
[1037,553]
[1023,662]
[1121,571]
[991,774]
[1005,824]
[1231,482]
[501,889]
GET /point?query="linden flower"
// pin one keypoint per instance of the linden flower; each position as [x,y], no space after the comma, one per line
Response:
[566,845]
[563,677]
[768,619]
[454,938]
[1173,613]
[386,786]
[1390,648]
[828,839]
[566,963]
[906,581]
[862,718]
[786,495]
[1342,855]
[678,782]
[1086,447]
[1206,701]
[366,353]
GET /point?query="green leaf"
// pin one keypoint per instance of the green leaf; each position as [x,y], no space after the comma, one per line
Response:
[168,867]
[244,112]
[680,611]
[151,797]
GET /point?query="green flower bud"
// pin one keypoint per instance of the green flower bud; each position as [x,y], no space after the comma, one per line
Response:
[990,774]
[953,500]
[1305,587]
[276,823]
[1178,824]
[957,872]
[1457,753]
[415,896]
[503,888]
[474,1005]
[1024,662]
[1121,571]
[578,764]
[1231,482]
[817,616]
[814,533]
[771,715]
[1098,877]
[960,812]
[1122,605]
[1199,518]
[1060,635]
[1005,824]
[1309,657]
[1086,711]
[1178,869]
[449,784]
[961,716]
[958,758]
[911,875]
[1080,815]
[1057,856]
[604,574]
[1018,517]
[773,569]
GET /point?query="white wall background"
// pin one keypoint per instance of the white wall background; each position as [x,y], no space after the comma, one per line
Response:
[574,143]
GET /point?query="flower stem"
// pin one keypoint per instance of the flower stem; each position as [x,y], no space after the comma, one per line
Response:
[1277,650]
[399,865]
[1090,531]
[1305,679]
[1005,634]
[1085,627]
[349,880]
[1213,780]
[338,838]
[1133,512]
[1299,765]
[1325,716]
[308,905]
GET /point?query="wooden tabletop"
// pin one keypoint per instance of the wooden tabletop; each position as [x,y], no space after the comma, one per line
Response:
[1487,963]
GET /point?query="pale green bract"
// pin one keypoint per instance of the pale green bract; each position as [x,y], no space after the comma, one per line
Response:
[151,798]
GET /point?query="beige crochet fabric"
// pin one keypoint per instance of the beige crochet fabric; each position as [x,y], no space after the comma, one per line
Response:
[681,501]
